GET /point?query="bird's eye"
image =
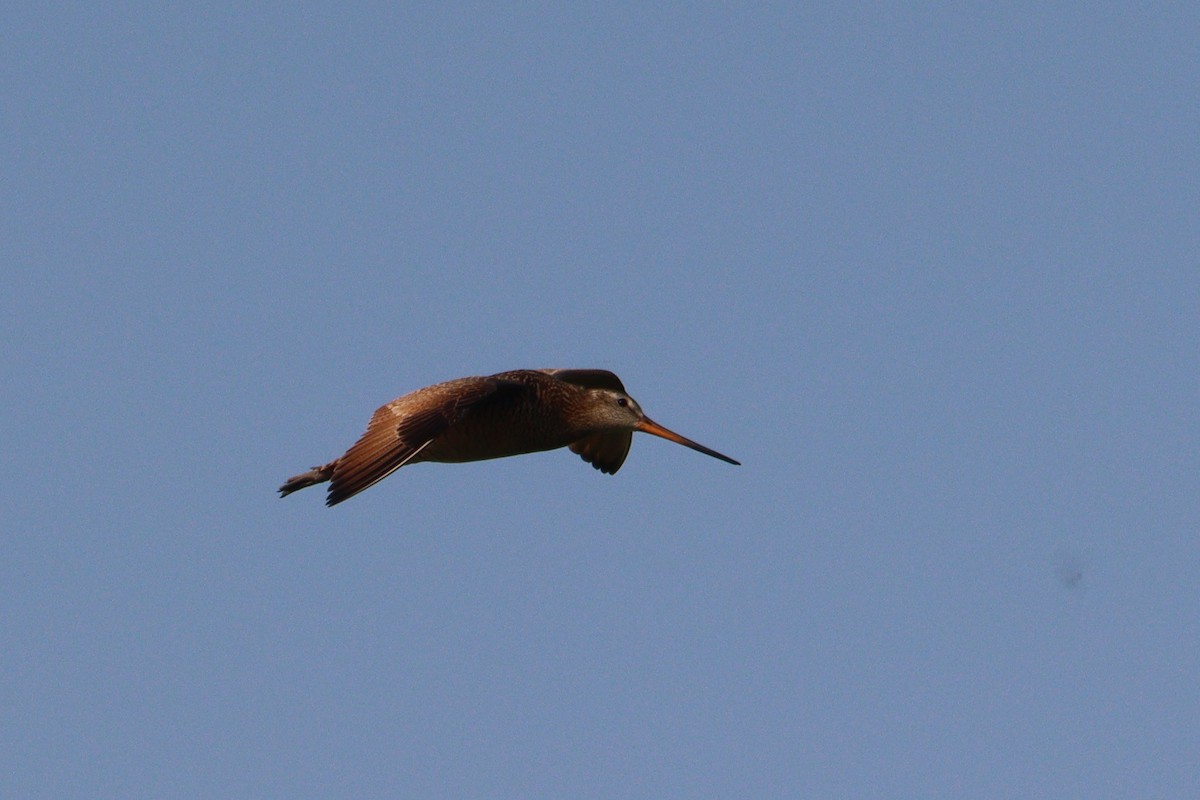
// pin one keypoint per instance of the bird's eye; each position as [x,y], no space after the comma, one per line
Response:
[622,402]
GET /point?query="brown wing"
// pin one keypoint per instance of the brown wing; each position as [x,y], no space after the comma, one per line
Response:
[604,451]
[588,378]
[399,431]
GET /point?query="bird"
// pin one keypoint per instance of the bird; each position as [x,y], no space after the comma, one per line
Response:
[494,416]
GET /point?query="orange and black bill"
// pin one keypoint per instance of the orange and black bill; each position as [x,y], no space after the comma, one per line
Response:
[647,425]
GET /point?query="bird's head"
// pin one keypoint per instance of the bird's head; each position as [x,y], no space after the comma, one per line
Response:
[612,410]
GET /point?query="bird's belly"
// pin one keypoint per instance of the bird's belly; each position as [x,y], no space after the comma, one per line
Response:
[461,443]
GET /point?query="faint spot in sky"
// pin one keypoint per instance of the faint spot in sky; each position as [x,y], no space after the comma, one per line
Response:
[1069,570]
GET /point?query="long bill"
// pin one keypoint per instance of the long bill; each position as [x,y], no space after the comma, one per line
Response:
[647,425]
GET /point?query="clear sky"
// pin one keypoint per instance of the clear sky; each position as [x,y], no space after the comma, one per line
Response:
[931,275]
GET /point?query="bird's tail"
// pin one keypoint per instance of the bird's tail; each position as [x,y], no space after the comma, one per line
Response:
[305,479]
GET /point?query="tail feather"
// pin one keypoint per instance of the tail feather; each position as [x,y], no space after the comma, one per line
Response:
[305,479]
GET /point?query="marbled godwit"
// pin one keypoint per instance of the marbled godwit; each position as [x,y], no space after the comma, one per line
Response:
[472,419]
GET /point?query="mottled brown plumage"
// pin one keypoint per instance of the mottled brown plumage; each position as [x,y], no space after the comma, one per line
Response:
[507,414]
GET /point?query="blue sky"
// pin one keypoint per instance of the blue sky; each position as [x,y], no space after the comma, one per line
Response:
[930,274]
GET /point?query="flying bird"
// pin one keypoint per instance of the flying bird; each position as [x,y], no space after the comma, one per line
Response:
[507,414]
